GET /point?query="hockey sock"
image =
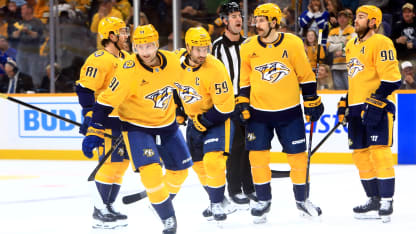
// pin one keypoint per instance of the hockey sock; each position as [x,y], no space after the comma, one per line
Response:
[104,190]
[174,179]
[200,171]
[371,187]
[152,179]
[216,195]
[262,175]
[115,189]
[299,191]
[164,209]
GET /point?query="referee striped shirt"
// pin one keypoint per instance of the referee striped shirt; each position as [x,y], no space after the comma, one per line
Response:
[229,53]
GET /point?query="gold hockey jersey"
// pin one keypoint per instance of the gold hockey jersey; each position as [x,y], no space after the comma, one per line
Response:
[273,72]
[205,86]
[142,94]
[369,63]
[98,70]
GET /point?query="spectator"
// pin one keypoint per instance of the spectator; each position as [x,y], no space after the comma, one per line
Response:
[12,15]
[337,39]
[125,8]
[194,9]
[333,7]
[315,18]
[29,31]
[5,52]
[324,80]
[404,34]
[289,14]
[46,81]
[41,10]
[19,82]
[105,9]
[3,24]
[70,74]
[311,48]
[408,76]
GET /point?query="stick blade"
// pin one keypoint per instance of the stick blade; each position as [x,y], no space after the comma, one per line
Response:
[134,197]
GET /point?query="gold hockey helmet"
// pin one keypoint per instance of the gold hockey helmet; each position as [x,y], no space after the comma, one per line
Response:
[269,10]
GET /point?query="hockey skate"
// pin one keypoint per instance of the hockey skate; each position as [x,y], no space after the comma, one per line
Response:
[218,212]
[370,210]
[170,225]
[120,218]
[307,209]
[240,199]
[226,206]
[386,209]
[103,219]
[260,210]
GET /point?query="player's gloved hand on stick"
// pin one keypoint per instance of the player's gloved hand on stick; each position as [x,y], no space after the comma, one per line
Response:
[201,124]
[374,108]
[341,112]
[87,113]
[313,108]
[181,117]
[242,105]
[94,139]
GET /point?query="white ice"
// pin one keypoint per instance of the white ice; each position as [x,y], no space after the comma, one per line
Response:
[51,197]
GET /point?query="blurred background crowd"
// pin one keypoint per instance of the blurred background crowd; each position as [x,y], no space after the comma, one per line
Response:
[25,35]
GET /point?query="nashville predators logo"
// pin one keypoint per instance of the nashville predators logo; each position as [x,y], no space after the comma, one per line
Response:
[273,72]
[251,136]
[128,64]
[188,94]
[148,152]
[98,53]
[161,97]
[354,66]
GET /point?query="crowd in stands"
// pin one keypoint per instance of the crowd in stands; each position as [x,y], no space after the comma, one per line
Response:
[24,34]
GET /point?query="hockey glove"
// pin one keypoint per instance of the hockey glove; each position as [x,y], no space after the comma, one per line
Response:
[313,108]
[374,108]
[87,113]
[341,112]
[201,124]
[94,139]
[181,117]
[242,105]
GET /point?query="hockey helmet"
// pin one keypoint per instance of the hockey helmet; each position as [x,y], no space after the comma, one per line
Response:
[373,12]
[229,8]
[111,24]
[197,36]
[145,34]
[270,11]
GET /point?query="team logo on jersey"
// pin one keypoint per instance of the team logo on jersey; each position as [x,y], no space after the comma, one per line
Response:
[98,53]
[128,64]
[273,72]
[161,97]
[148,152]
[354,66]
[251,136]
[188,94]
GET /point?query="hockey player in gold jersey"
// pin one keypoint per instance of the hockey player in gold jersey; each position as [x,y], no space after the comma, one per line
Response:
[142,90]
[274,67]
[95,77]
[208,99]
[373,74]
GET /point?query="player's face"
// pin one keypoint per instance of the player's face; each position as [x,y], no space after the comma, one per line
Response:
[123,35]
[147,52]
[262,26]
[361,23]
[199,54]
[235,22]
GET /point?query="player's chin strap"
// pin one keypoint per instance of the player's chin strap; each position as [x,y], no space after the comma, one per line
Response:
[366,31]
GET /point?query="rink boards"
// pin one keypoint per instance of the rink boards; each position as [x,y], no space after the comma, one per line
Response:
[29,134]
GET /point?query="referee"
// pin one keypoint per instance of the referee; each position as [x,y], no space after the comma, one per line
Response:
[227,49]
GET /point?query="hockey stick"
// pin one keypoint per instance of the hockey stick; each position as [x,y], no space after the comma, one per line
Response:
[134,197]
[112,149]
[46,112]
[282,174]
[117,143]
[312,123]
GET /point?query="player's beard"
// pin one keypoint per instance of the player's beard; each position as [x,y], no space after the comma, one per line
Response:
[361,30]
[197,60]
